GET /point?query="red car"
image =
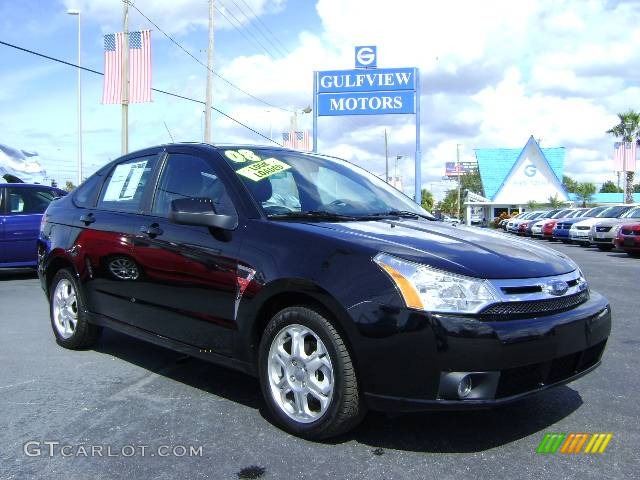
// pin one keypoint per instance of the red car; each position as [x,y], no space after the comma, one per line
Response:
[547,229]
[628,239]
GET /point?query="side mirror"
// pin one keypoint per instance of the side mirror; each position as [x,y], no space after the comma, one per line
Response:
[200,211]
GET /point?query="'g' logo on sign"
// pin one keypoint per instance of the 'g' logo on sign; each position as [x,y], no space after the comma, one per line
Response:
[366,57]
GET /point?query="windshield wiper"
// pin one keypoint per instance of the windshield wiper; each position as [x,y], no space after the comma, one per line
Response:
[400,213]
[312,214]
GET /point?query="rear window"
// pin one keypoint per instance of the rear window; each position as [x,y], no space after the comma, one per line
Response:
[125,185]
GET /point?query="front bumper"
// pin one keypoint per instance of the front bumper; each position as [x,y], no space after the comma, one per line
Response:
[579,235]
[403,354]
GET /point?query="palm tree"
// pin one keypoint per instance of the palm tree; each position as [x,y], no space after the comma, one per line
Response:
[585,191]
[555,202]
[628,130]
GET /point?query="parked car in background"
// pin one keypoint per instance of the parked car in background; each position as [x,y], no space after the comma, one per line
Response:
[579,231]
[504,223]
[604,232]
[523,225]
[628,239]
[537,227]
[334,289]
[561,230]
[514,223]
[451,220]
[21,209]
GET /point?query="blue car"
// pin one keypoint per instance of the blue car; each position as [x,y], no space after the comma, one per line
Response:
[21,209]
[561,230]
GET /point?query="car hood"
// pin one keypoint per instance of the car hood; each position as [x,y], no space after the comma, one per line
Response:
[571,221]
[587,222]
[465,250]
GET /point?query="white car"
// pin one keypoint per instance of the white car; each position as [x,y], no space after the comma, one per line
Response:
[579,231]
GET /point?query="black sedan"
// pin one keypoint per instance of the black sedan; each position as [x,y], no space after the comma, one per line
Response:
[333,288]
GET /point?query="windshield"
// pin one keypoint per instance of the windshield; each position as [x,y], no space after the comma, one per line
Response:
[293,184]
[594,212]
[633,213]
[562,213]
[613,212]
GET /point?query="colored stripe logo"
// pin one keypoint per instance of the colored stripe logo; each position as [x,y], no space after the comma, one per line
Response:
[574,443]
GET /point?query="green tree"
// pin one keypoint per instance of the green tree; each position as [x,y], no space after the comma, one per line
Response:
[569,183]
[636,188]
[610,187]
[628,130]
[555,202]
[532,205]
[427,200]
[585,191]
[468,182]
[69,186]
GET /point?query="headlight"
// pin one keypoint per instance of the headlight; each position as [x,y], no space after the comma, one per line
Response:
[426,288]
[615,230]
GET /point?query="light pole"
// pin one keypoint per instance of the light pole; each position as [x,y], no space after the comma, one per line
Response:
[458,172]
[77,12]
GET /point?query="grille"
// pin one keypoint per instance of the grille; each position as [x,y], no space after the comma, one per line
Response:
[529,377]
[582,228]
[514,310]
[603,229]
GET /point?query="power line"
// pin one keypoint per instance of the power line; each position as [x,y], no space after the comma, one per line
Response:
[249,20]
[205,66]
[240,27]
[255,15]
[164,92]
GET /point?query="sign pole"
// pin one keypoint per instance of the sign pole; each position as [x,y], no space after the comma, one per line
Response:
[315,112]
[418,179]
[125,81]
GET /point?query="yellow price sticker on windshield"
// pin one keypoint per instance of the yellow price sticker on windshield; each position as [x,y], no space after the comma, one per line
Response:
[242,155]
[264,169]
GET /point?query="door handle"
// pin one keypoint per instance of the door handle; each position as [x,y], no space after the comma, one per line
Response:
[87,219]
[152,230]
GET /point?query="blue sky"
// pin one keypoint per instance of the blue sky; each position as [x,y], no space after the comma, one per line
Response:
[493,73]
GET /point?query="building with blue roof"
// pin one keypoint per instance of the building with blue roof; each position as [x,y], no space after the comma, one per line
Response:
[513,177]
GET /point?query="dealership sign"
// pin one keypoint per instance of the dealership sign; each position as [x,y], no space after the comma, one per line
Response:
[368,90]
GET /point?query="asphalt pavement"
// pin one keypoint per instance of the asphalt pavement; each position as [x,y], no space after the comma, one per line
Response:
[128,409]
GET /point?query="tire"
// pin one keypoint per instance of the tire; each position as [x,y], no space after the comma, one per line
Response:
[285,373]
[68,316]
[605,248]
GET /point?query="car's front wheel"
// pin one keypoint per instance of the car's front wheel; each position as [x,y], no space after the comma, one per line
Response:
[68,317]
[307,376]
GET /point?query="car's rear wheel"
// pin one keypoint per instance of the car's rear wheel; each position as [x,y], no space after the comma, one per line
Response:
[605,248]
[68,317]
[307,376]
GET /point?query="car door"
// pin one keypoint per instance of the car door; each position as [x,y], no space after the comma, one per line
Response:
[24,208]
[104,234]
[189,274]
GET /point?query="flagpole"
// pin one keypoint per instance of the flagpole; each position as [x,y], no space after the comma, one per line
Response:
[125,81]
[209,100]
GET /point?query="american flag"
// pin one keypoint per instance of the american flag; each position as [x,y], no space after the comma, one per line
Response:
[139,67]
[624,150]
[297,140]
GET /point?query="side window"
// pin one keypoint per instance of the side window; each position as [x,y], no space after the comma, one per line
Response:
[189,176]
[85,195]
[29,200]
[125,185]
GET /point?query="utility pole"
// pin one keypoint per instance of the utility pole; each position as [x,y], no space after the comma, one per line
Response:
[386,157]
[125,81]
[209,99]
[458,172]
